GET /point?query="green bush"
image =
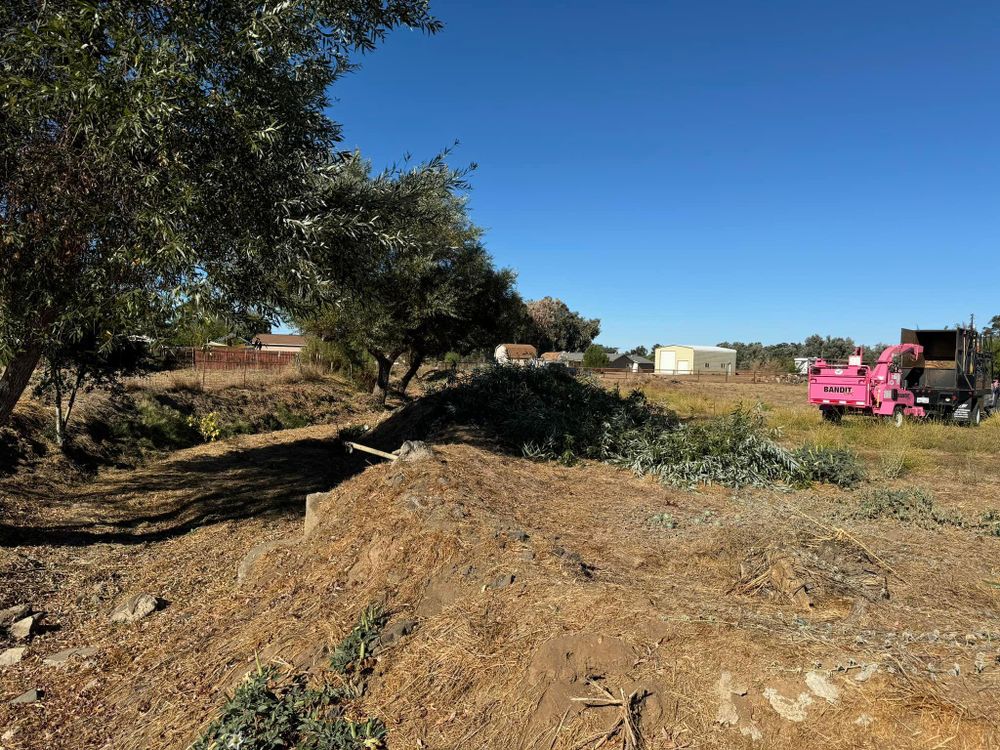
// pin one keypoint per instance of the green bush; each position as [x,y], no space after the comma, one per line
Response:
[595,356]
[269,711]
[547,413]
[453,359]
[156,426]
[839,466]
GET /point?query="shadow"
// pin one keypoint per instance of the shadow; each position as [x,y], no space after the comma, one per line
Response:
[177,495]
[181,493]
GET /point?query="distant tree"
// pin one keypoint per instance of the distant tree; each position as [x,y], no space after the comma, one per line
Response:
[552,326]
[595,356]
[432,289]
[640,351]
[150,151]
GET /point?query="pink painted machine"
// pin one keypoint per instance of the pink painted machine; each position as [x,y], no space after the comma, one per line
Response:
[840,389]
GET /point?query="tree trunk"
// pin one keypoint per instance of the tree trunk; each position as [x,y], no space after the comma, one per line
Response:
[381,389]
[15,379]
[416,359]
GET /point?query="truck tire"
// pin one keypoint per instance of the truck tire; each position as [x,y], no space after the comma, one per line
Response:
[976,416]
[898,417]
[832,414]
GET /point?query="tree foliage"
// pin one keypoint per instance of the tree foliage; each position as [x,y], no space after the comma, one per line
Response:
[595,356]
[552,327]
[423,284]
[154,152]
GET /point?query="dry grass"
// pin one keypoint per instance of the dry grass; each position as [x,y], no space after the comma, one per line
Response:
[599,594]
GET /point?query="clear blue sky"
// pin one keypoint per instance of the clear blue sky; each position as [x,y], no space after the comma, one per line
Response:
[694,172]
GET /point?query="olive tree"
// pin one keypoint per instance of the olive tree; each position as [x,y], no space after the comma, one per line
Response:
[552,326]
[423,283]
[152,153]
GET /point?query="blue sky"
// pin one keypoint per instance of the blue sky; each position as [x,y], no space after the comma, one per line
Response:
[704,171]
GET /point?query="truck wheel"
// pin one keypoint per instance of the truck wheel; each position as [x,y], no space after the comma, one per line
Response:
[833,414]
[898,417]
[976,417]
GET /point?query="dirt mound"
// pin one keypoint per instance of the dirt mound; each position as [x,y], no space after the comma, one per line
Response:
[539,606]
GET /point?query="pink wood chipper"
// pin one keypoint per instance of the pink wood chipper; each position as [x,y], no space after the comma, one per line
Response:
[839,389]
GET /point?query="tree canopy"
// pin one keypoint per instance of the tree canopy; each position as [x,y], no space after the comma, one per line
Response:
[155,152]
[431,288]
[552,326]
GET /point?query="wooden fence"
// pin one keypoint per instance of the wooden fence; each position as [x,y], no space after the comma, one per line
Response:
[234,360]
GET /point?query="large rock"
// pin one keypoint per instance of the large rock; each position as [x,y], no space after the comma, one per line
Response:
[30,696]
[11,656]
[61,658]
[23,628]
[313,503]
[256,552]
[414,450]
[17,612]
[135,608]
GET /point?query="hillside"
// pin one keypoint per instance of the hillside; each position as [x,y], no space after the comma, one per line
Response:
[758,617]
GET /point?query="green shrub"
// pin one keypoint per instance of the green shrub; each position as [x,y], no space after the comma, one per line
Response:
[839,466]
[156,426]
[269,711]
[452,359]
[595,356]
[547,413]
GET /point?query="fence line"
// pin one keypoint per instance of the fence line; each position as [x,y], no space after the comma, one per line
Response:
[742,376]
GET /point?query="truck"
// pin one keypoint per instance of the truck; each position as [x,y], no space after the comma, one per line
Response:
[952,377]
[944,374]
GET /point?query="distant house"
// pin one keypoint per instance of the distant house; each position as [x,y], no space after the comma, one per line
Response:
[279,342]
[685,359]
[515,354]
[632,362]
[570,359]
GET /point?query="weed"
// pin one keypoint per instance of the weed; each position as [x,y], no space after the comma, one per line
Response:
[839,466]
[357,646]
[207,426]
[156,426]
[910,505]
[664,520]
[269,711]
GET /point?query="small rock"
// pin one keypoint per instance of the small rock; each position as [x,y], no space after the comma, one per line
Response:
[17,612]
[395,480]
[61,658]
[866,673]
[414,450]
[502,582]
[396,632]
[518,535]
[22,629]
[527,554]
[752,731]
[727,715]
[786,708]
[821,687]
[30,696]
[12,656]
[139,606]
[981,663]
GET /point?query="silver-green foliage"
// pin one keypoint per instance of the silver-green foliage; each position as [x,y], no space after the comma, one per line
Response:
[547,413]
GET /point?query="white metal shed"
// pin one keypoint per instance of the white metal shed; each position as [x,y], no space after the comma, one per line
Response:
[687,359]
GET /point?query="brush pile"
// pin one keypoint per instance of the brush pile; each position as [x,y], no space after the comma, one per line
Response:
[549,414]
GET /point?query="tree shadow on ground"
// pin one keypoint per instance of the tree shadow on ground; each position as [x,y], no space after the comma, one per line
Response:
[181,494]
[184,492]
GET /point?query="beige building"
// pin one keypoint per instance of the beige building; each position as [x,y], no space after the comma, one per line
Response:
[279,342]
[680,359]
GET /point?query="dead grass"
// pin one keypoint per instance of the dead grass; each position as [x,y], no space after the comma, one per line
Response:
[599,595]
